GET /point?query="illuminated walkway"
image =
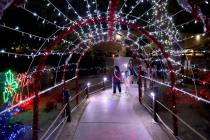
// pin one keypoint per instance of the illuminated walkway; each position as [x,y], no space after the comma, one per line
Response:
[116,117]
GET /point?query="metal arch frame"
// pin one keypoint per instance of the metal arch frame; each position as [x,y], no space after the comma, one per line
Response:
[76,72]
[79,43]
[121,21]
[135,55]
[71,29]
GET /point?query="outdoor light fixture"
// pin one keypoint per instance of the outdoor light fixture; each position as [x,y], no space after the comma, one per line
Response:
[88,84]
[105,79]
[152,94]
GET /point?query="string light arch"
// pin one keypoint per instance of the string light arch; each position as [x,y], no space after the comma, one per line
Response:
[159,31]
[97,14]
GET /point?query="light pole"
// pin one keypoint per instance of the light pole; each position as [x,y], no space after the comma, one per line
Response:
[104,81]
[155,106]
[87,89]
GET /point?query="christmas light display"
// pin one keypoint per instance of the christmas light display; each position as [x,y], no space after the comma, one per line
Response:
[120,26]
[192,7]
[11,131]
[24,80]
[11,87]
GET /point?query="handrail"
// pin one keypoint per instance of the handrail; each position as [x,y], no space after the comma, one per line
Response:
[56,128]
[177,89]
[179,118]
[63,109]
[60,130]
[32,97]
[77,105]
[165,125]
[79,93]
[60,113]
[96,84]
[46,90]
[52,124]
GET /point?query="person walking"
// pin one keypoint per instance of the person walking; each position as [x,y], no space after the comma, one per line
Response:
[66,96]
[116,79]
[130,72]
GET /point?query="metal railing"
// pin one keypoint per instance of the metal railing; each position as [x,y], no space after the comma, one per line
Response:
[156,107]
[55,129]
[161,113]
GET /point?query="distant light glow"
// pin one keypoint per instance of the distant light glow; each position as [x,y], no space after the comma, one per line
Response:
[198,37]
[105,79]
[125,65]
[35,14]
[17,28]
[152,94]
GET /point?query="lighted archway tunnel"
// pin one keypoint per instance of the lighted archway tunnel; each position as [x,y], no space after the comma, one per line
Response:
[48,40]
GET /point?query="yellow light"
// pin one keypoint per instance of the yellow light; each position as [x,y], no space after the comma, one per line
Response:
[198,54]
[189,52]
[198,37]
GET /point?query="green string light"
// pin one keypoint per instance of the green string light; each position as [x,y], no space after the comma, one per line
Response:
[11,87]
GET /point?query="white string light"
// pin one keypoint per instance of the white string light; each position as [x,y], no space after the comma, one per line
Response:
[169,26]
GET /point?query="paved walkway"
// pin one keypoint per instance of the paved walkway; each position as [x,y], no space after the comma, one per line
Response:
[117,117]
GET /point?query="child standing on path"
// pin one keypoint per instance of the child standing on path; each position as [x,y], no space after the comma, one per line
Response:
[116,79]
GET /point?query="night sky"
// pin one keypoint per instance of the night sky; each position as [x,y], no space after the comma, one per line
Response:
[26,22]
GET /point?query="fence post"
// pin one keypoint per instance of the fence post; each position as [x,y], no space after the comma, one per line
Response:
[68,110]
[140,82]
[104,85]
[155,106]
[67,98]
[140,89]
[87,90]
[77,88]
[175,121]
[35,125]
[104,80]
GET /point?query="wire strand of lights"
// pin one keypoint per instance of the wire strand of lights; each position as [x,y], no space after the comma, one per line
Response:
[24,33]
[44,20]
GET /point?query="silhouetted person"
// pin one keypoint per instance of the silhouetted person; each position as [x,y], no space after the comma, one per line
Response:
[130,71]
[66,96]
[116,79]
